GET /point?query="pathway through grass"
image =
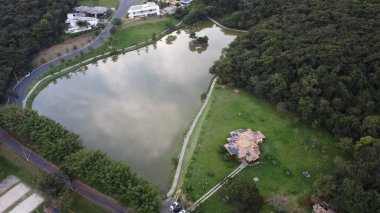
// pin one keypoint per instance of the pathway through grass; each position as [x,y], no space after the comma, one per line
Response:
[289,149]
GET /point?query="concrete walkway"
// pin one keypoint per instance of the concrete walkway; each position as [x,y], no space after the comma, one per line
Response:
[227,28]
[217,187]
[186,140]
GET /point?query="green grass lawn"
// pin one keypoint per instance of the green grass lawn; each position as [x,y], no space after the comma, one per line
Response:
[293,146]
[103,3]
[12,164]
[134,34]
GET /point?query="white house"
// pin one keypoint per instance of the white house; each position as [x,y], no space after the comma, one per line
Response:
[148,9]
[73,18]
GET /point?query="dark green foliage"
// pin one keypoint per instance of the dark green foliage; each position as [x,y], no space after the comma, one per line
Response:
[194,16]
[51,185]
[357,183]
[25,28]
[113,178]
[170,27]
[51,139]
[319,59]
[243,195]
[61,146]
[202,40]
[117,22]
[113,30]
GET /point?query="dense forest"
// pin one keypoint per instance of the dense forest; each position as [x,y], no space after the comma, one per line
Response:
[27,26]
[65,148]
[320,59]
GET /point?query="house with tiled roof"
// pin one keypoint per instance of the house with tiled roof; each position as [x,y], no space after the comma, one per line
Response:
[244,144]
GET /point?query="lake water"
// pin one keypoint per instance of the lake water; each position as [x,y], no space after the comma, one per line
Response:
[136,106]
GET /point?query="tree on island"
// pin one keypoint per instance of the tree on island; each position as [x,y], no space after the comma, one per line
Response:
[202,40]
[198,41]
[243,195]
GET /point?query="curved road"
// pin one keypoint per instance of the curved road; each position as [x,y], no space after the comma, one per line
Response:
[23,85]
[20,89]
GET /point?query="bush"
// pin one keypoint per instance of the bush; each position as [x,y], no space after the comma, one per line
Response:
[194,16]
[213,12]
[113,30]
[211,173]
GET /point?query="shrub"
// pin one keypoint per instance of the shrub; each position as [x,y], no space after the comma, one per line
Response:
[211,173]
[194,16]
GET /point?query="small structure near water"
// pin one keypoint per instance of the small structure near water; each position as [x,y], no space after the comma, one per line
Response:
[245,144]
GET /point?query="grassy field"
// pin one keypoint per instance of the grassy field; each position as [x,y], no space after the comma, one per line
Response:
[12,164]
[139,31]
[289,149]
[103,3]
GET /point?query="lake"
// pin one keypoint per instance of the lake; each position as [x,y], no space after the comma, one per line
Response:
[136,106]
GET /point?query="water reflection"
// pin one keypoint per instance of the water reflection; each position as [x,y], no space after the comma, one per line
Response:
[170,39]
[137,106]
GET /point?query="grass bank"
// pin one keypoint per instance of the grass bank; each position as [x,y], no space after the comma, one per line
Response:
[12,164]
[126,38]
[103,3]
[289,149]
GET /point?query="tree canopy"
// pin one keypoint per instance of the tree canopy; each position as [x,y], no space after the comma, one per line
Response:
[65,148]
[320,59]
[243,195]
[27,26]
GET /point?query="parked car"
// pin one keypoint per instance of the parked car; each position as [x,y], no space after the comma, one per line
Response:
[27,75]
[176,207]
[183,211]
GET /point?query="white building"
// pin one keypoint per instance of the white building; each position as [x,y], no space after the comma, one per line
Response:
[72,20]
[148,9]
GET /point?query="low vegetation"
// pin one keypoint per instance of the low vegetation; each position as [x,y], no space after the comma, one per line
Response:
[289,149]
[12,164]
[25,28]
[319,59]
[63,147]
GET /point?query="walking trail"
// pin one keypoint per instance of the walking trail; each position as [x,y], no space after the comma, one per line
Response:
[186,140]
[217,187]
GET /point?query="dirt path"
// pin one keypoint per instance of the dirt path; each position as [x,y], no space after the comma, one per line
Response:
[63,48]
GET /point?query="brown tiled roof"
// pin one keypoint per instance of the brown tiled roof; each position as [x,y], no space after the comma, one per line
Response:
[245,144]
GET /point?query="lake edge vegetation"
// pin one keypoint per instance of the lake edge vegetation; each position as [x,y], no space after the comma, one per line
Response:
[65,148]
[319,59]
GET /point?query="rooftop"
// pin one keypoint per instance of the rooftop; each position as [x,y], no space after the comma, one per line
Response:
[91,10]
[148,5]
[245,144]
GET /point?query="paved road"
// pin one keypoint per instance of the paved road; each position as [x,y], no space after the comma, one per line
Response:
[20,90]
[22,86]
[77,186]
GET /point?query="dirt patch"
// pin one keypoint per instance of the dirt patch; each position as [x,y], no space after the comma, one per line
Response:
[64,48]
[236,90]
